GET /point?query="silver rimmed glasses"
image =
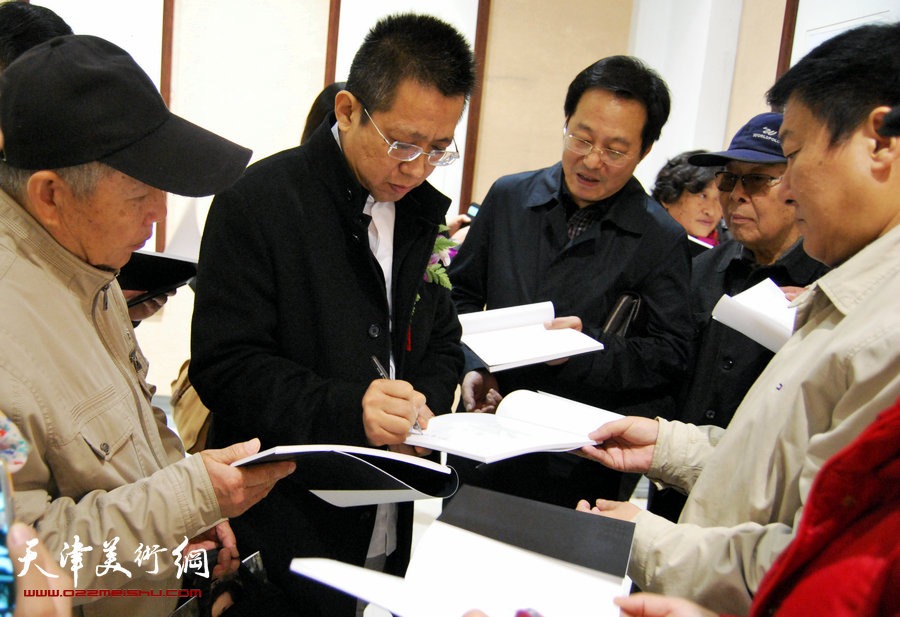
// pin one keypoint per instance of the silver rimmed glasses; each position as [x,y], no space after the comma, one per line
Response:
[611,157]
[403,151]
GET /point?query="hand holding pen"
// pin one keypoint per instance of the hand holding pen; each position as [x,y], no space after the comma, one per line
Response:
[390,408]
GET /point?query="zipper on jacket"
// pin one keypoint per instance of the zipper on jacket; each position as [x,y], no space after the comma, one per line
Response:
[135,361]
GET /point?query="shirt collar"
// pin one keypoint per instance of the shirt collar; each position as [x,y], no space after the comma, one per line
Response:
[854,281]
[625,208]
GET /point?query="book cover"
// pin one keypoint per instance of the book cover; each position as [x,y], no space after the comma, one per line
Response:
[498,553]
[347,476]
[155,274]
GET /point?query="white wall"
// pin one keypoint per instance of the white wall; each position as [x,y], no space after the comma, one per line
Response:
[692,44]
[819,20]
[248,71]
[135,26]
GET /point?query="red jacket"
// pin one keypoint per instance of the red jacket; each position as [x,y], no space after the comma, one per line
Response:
[845,559]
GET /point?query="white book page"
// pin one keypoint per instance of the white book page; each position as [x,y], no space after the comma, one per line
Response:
[488,437]
[454,570]
[524,345]
[762,313]
[525,422]
[346,499]
[545,409]
[510,317]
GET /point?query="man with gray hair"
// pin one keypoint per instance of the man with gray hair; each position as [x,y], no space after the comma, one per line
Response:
[90,148]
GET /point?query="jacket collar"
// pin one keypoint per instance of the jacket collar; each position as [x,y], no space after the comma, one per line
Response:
[799,266]
[38,245]
[624,208]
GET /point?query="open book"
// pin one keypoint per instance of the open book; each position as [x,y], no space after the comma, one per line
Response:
[499,553]
[354,476]
[761,313]
[515,336]
[155,274]
[525,422]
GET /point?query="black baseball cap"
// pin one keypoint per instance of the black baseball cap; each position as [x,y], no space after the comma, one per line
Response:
[755,142]
[77,99]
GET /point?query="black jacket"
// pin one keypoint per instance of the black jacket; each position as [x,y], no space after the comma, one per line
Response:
[727,362]
[518,252]
[290,307]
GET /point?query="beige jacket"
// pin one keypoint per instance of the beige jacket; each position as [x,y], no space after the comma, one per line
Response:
[103,465]
[748,484]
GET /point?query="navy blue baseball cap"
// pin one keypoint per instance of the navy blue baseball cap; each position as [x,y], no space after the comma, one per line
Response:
[77,99]
[756,142]
[891,126]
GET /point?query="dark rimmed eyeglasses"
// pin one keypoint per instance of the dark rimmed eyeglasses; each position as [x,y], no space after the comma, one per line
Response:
[403,151]
[753,183]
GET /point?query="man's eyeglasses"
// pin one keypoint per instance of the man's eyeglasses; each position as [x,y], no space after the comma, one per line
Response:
[613,158]
[753,183]
[409,152]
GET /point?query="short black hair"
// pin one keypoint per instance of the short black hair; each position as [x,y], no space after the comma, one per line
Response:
[410,46]
[842,80]
[628,78]
[24,25]
[678,176]
[321,107]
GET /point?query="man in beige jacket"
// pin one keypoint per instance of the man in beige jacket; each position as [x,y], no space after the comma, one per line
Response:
[747,485]
[89,150]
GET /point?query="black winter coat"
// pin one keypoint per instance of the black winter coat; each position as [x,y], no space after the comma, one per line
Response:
[518,252]
[290,306]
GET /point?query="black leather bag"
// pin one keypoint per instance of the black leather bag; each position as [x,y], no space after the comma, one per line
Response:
[623,314]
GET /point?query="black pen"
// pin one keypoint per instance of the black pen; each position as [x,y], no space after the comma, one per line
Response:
[416,429]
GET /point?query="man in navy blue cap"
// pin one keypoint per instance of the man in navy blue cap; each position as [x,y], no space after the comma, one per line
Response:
[765,244]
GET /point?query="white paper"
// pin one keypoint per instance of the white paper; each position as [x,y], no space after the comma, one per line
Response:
[345,499]
[454,570]
[515,336]
[525,422]
[762,313]
[509,317]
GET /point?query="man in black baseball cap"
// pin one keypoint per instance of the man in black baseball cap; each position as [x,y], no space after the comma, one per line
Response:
[77,99]
[89,150]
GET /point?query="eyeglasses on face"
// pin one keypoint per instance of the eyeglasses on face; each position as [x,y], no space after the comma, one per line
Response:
[403,151]
[753,183]
[613,158]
